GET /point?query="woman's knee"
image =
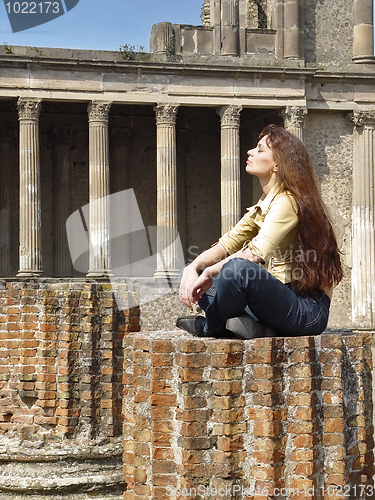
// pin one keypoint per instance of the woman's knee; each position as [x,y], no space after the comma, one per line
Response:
[239,268]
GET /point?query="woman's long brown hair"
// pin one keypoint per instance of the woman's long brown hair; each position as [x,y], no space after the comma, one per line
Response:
[317,260]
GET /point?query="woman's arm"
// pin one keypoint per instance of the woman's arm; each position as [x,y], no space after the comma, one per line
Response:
[191,272]
[204,281]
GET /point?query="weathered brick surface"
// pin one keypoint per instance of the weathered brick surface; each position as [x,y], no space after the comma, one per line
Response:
[61,360]
[260,419]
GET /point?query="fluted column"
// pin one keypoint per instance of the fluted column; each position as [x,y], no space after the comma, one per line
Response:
[62,137]
[363,31]
[99,216]
[5,262]
[166,190]
[363,236]
[294,120]
[292,29]
[30,249]
[230,166]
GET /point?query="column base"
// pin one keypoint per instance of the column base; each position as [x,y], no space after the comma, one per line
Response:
[30,274]
[99,274]
[173,274]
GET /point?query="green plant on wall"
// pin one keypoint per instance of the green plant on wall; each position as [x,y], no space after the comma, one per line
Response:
[8,48]
[131,53]
[127,52]
[170,48]
[36,52]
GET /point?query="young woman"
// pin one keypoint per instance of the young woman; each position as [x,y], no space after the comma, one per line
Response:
[278,265]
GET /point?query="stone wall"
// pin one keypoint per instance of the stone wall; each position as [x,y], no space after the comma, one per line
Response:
[331,150]
[61,386]
[285,418]
[328,33]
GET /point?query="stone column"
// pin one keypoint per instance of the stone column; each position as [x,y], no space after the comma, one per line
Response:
[363,235]
[62,137]
[162,40]
[229,28]
[99,216]
[5,208]
[292,30]
[230,166]
[166,190]
[30,249]
[363,31]
[294,120]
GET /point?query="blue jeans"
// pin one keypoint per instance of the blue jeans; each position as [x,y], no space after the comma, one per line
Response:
[243,286]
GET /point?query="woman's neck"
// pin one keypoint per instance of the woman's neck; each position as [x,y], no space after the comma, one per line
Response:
[268,184]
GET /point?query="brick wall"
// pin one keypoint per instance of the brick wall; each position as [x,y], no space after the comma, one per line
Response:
[61,363]
[265,418]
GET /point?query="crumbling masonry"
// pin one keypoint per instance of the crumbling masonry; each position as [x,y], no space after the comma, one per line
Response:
[174,126]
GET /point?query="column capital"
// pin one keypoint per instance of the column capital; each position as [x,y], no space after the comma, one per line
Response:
[362,118]
[230,115]
[293,116]
[166,114]
[99,111]
[28,109]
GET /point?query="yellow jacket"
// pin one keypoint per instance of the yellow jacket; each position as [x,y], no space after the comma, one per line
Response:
[269,229]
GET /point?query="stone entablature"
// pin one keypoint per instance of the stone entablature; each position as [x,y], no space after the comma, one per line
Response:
[214,84]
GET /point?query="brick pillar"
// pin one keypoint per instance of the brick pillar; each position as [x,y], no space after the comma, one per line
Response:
[99,216]
[230,166]
[261,419]
[30,248]
[61,386]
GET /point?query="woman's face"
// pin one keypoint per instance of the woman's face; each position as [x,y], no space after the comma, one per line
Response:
[260,161]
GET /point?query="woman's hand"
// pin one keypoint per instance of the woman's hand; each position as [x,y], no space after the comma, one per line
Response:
[211,257]
[189,276]
[201,285]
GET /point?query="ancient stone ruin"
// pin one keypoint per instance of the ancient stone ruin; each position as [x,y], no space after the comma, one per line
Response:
[100,396]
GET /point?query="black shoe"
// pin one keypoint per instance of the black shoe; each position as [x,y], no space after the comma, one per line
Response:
[195,325]
[245,327]
[192,324]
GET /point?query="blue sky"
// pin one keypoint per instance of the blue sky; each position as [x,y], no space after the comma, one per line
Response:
[103,24]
